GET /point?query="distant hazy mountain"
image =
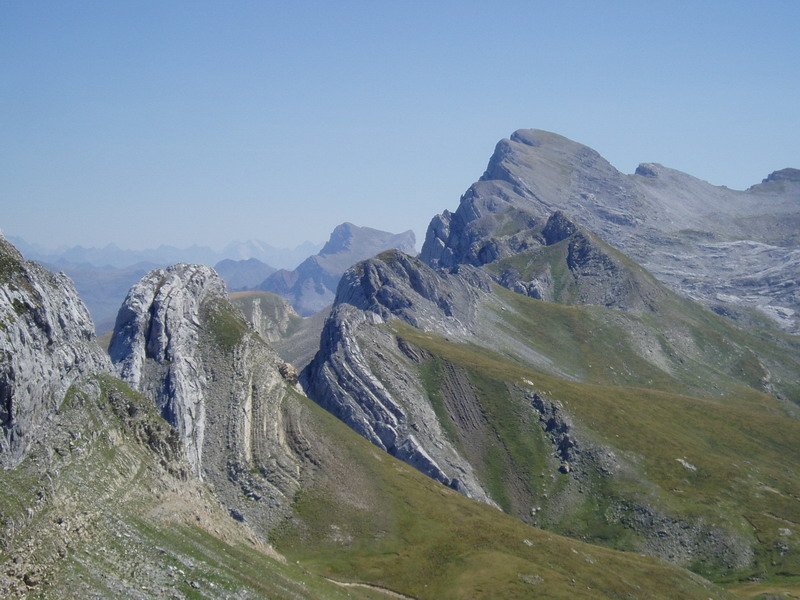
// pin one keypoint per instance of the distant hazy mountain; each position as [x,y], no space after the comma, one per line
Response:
[312,285]
[279,258]
[114,256]
[243,274]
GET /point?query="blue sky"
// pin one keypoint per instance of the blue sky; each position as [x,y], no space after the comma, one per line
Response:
[166,122]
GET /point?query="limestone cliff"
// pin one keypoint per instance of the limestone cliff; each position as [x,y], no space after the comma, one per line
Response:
[179,341]
[47,342]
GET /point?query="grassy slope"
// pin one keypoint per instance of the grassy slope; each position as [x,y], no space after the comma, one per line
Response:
[113,516]
[706,353]
[747,452]
[371,519]
[378,521]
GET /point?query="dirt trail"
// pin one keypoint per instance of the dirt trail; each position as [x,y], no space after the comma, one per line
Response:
[375,588]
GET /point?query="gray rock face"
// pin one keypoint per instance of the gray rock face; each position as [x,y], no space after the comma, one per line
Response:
[270,315]
[792,175]
[558,228]
[711,243]
[294,338]
[179,341]
[395,284]
[154,346]
[312,285]
[102,289]
[47,342]
[362,374]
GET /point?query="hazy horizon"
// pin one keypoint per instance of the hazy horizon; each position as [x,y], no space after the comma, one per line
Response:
[199,124]
[112,244]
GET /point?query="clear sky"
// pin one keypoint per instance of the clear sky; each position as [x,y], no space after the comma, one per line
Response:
[203,122]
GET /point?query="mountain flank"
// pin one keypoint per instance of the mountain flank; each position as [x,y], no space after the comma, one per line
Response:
[526,359]
[47,344]
[736,251]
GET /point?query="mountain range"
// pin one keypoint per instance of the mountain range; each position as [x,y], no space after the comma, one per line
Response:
[112,255]
[103,276]
[587,385]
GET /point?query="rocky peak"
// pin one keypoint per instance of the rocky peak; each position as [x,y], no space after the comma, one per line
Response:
[394,284]
[784,175]
[557,228]
[395,417]
[530,175]
[312,285]
[154,345]
[340,239]
[47,343]
[180,341]
[660,217]
[648,170]
[348,238]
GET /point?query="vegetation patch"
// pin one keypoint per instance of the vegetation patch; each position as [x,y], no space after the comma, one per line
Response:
[226,325]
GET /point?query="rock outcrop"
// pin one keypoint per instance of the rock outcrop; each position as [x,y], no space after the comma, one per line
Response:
[179,341]
[47,342]
[155,346]
[567,264]
[312,285]
[362,375]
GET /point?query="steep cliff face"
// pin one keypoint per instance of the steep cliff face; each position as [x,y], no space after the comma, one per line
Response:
[690,234]
[363,375]
[155,346]
[46,343]
[180,342]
